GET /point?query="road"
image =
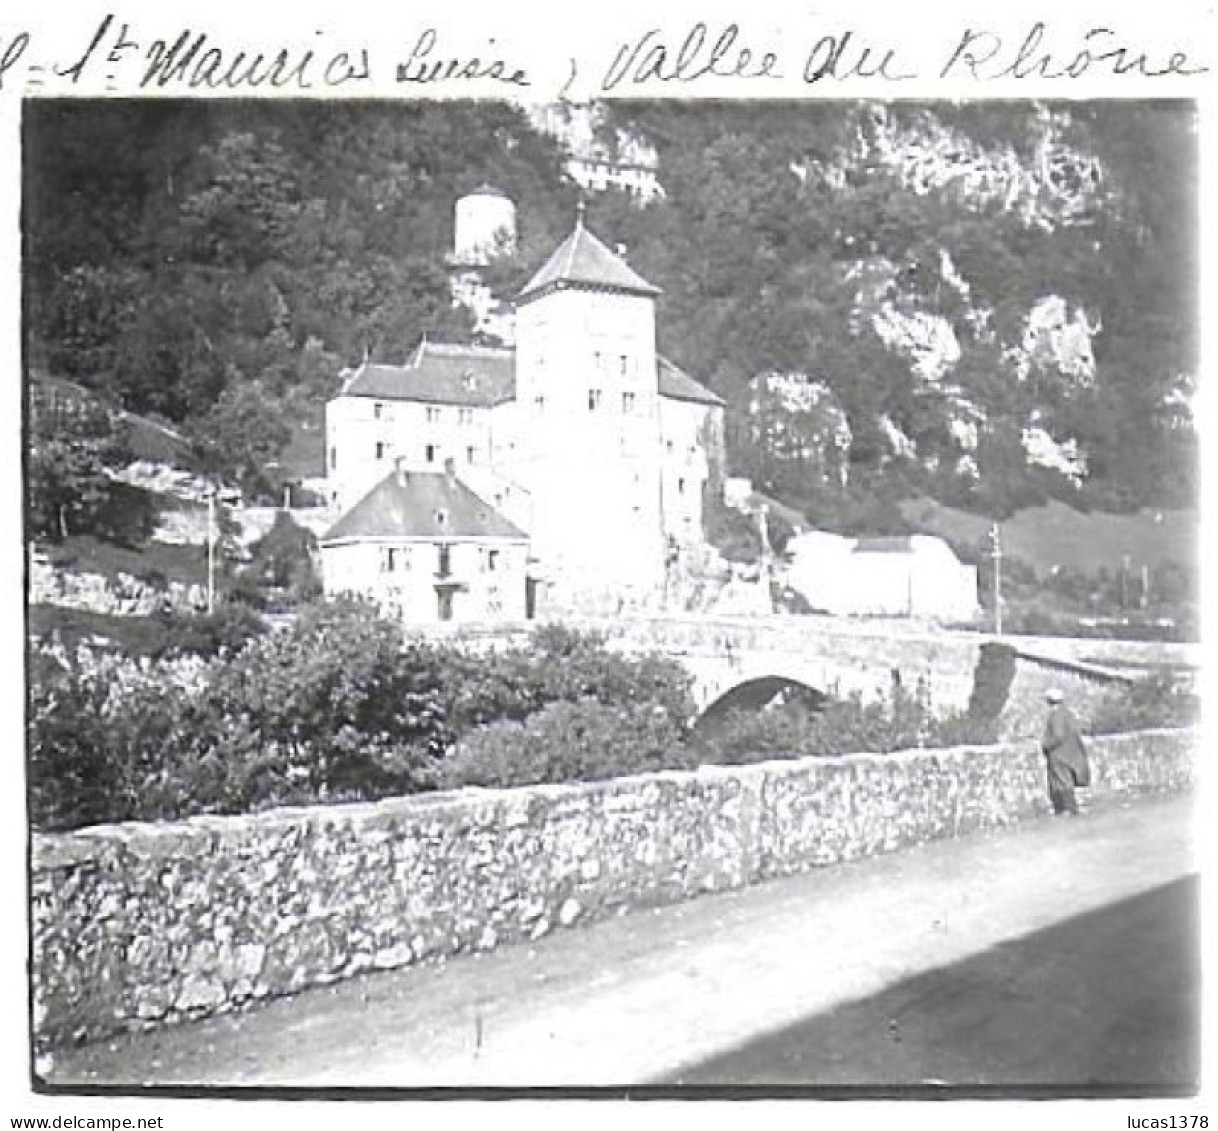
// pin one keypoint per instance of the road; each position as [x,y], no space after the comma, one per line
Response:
[1057,954]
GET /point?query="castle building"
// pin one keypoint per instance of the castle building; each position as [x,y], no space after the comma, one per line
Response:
[581,437]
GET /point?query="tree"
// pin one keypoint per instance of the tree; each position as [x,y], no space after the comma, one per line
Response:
[75,442]
[241,436]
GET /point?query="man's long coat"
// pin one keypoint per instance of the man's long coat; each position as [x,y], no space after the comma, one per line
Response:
[1064,749]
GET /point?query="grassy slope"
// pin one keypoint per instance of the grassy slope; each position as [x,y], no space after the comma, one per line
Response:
[1055,534]
[86,554]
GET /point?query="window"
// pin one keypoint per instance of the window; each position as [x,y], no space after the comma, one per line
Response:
[380,450]
[680,486]
[598,360]
[594,399]
[492,561]
[433,414]
[333,458]
[465,416]
[628,402]
[624,364]
[389,559]
[470,455]
[429,453]
[377,409]
[539,405]
[445,563]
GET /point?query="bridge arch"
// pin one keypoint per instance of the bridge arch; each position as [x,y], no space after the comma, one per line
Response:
[754,694]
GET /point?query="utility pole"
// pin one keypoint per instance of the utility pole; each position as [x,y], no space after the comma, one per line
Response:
[996,553]
[211,551]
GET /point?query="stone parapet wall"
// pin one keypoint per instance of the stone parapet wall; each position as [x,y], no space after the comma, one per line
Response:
[137,924]
[1023,716]
[124,595]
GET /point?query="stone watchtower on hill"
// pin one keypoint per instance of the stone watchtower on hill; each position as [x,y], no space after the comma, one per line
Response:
[484,227]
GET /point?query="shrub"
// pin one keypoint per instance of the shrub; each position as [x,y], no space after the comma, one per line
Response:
[223,632]
[902,721]
[585,740]
[1162,700]
[558,665]
[281,572]
[100,731]
[326,709]
[992,680]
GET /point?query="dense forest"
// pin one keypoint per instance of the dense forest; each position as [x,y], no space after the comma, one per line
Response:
[216,264]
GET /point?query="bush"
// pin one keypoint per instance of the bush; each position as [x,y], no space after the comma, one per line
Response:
[330,708]
[327,709]
[280,573]
[223,632]
[585,740]
[902,721]
[992,680]
[1162,700]
[558,665]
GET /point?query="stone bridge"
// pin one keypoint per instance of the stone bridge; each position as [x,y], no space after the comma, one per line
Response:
[840,656]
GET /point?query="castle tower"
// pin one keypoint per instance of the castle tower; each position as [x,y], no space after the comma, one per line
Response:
[485,226]
[588,416]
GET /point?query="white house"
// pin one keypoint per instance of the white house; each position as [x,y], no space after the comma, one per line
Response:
[427,549]
[907,576]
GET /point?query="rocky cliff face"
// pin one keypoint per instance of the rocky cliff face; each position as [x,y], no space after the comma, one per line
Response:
[971,282]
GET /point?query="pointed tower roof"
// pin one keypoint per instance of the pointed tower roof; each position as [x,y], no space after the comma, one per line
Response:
[582,261]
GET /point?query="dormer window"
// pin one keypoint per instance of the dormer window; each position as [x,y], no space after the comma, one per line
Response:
[441,517]
[470,380]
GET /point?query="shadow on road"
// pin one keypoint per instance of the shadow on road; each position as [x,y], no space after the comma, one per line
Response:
[1105,1004]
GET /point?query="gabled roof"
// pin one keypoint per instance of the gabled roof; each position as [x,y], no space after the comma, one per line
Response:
[440,373]
[885,544]
[581,260]
[487,189]
[421,504]
[680,386]
[481,376]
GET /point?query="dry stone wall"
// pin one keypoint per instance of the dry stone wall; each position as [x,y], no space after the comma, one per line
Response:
[124,595]
[136,925]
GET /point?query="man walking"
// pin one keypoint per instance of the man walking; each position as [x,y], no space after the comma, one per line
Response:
[1065,756]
